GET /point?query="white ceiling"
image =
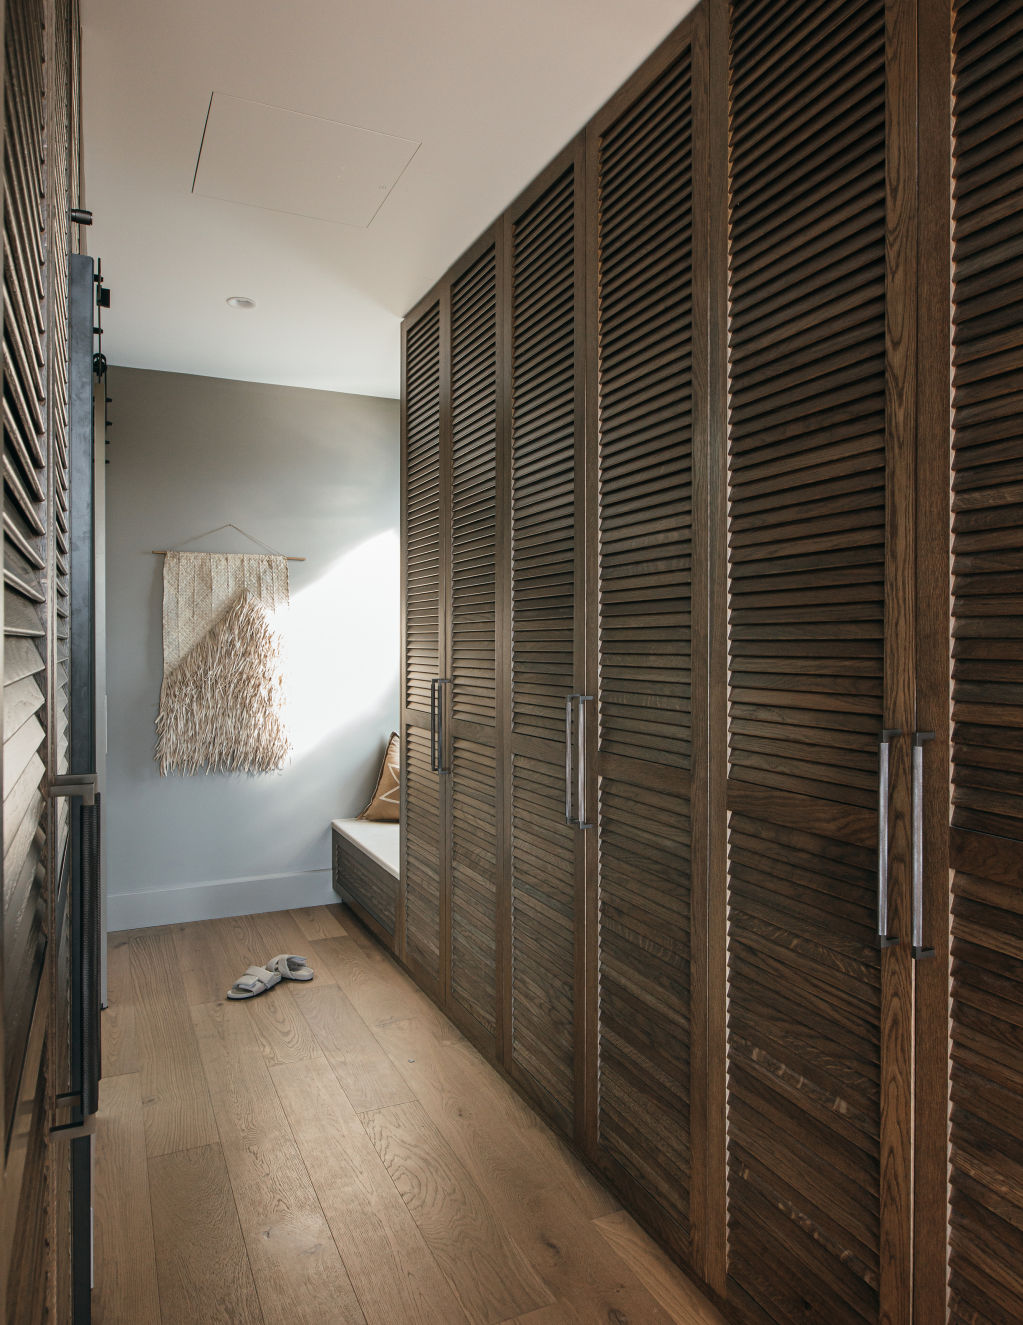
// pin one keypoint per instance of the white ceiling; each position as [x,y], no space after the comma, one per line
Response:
[490,88]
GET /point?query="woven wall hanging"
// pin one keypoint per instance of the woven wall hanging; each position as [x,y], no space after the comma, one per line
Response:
[222,698]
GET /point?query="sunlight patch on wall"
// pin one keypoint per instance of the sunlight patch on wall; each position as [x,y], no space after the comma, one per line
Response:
[342,642]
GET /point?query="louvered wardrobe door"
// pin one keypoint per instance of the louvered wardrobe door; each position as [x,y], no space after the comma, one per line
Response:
[987,666]
[472,702]
[546,372]
[807,563]
[424,656]
[639,610]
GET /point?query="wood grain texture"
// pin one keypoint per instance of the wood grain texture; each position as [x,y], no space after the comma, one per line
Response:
[295,1262]
[490,1276]
[683,1301]
[117,1025]
[203,1268]
[175,1100]
[392,1269]
[311,1190]
[809,671]
[367,1075]
[318,922]
[125,1287]
[986,1238]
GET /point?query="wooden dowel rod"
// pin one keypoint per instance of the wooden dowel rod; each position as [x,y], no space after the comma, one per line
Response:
[162,552]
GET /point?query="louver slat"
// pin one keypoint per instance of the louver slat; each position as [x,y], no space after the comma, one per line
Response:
[807,469]
[641,614]
[421,852]
[987,664]
[473,693]
[544,375]
[423,539]
[422,509]
[24,914]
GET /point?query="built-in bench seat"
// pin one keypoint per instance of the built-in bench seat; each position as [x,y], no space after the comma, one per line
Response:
[366,868]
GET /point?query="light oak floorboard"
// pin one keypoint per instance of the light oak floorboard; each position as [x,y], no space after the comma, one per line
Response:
[489,1274]
[289,1199]
[296,1265]
[125,1285]
[366,1073]
[120,1048]
[682,1300]
[204,1271]
[175,1101]
[560,1313]
[393,1271]
[537,1189]
[319,922]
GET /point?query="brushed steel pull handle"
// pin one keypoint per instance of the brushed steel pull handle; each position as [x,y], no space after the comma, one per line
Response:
[434,763]
[920,739]
[74,784]
[583,700]
[442,725]
[569,701]
[884,939]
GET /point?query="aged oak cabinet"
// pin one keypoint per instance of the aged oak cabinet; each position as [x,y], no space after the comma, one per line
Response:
[713,653]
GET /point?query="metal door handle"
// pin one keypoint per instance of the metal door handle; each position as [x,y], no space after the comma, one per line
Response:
[581,738]
[568,760]
[884,939]
[74,784]
[442,726]
[920,739]
[434,763]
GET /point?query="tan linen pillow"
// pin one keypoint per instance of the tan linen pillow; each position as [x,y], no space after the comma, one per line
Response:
[385,804]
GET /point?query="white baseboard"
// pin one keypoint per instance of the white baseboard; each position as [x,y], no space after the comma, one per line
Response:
[218,898]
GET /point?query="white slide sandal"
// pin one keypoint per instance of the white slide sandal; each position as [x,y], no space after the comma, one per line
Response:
[287,966]
[256,980]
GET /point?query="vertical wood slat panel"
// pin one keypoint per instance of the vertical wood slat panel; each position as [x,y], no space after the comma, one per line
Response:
[543,849]
[423,543]
[639,607]
[807,551]
[422,533]
[986,1250]
[473,698]
[24,923]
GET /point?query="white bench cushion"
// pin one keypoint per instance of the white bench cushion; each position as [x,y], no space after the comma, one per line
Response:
[381,842]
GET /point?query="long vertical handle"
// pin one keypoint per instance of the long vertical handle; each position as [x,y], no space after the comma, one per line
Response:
[434,761]
[442,725]
[884,939]
[581,771]
[569,701]
[919,741]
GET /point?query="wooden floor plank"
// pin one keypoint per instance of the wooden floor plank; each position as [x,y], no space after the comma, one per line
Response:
[559,1313]
[203,1269]
[367,1075]
[175,1101]
[682,1300]
[319,922]
[120,1048]
[298,1271]
[490,1276]
[315,1196]
[392,1270]
[125,1282]
[541,1194]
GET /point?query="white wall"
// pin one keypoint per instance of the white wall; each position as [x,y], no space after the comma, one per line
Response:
[313,474]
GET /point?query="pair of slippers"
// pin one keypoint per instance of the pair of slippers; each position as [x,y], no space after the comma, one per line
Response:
[258,979]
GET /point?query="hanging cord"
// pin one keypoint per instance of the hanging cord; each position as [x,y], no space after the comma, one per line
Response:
[162,552]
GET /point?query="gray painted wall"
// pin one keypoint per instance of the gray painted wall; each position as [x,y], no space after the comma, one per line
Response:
[310,473]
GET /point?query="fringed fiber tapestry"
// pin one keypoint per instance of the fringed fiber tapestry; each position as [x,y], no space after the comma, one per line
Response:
[222,700]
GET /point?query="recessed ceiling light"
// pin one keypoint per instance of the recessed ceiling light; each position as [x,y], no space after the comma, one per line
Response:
[241,301]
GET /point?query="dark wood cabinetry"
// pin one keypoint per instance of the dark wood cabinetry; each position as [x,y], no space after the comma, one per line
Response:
[714,462]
